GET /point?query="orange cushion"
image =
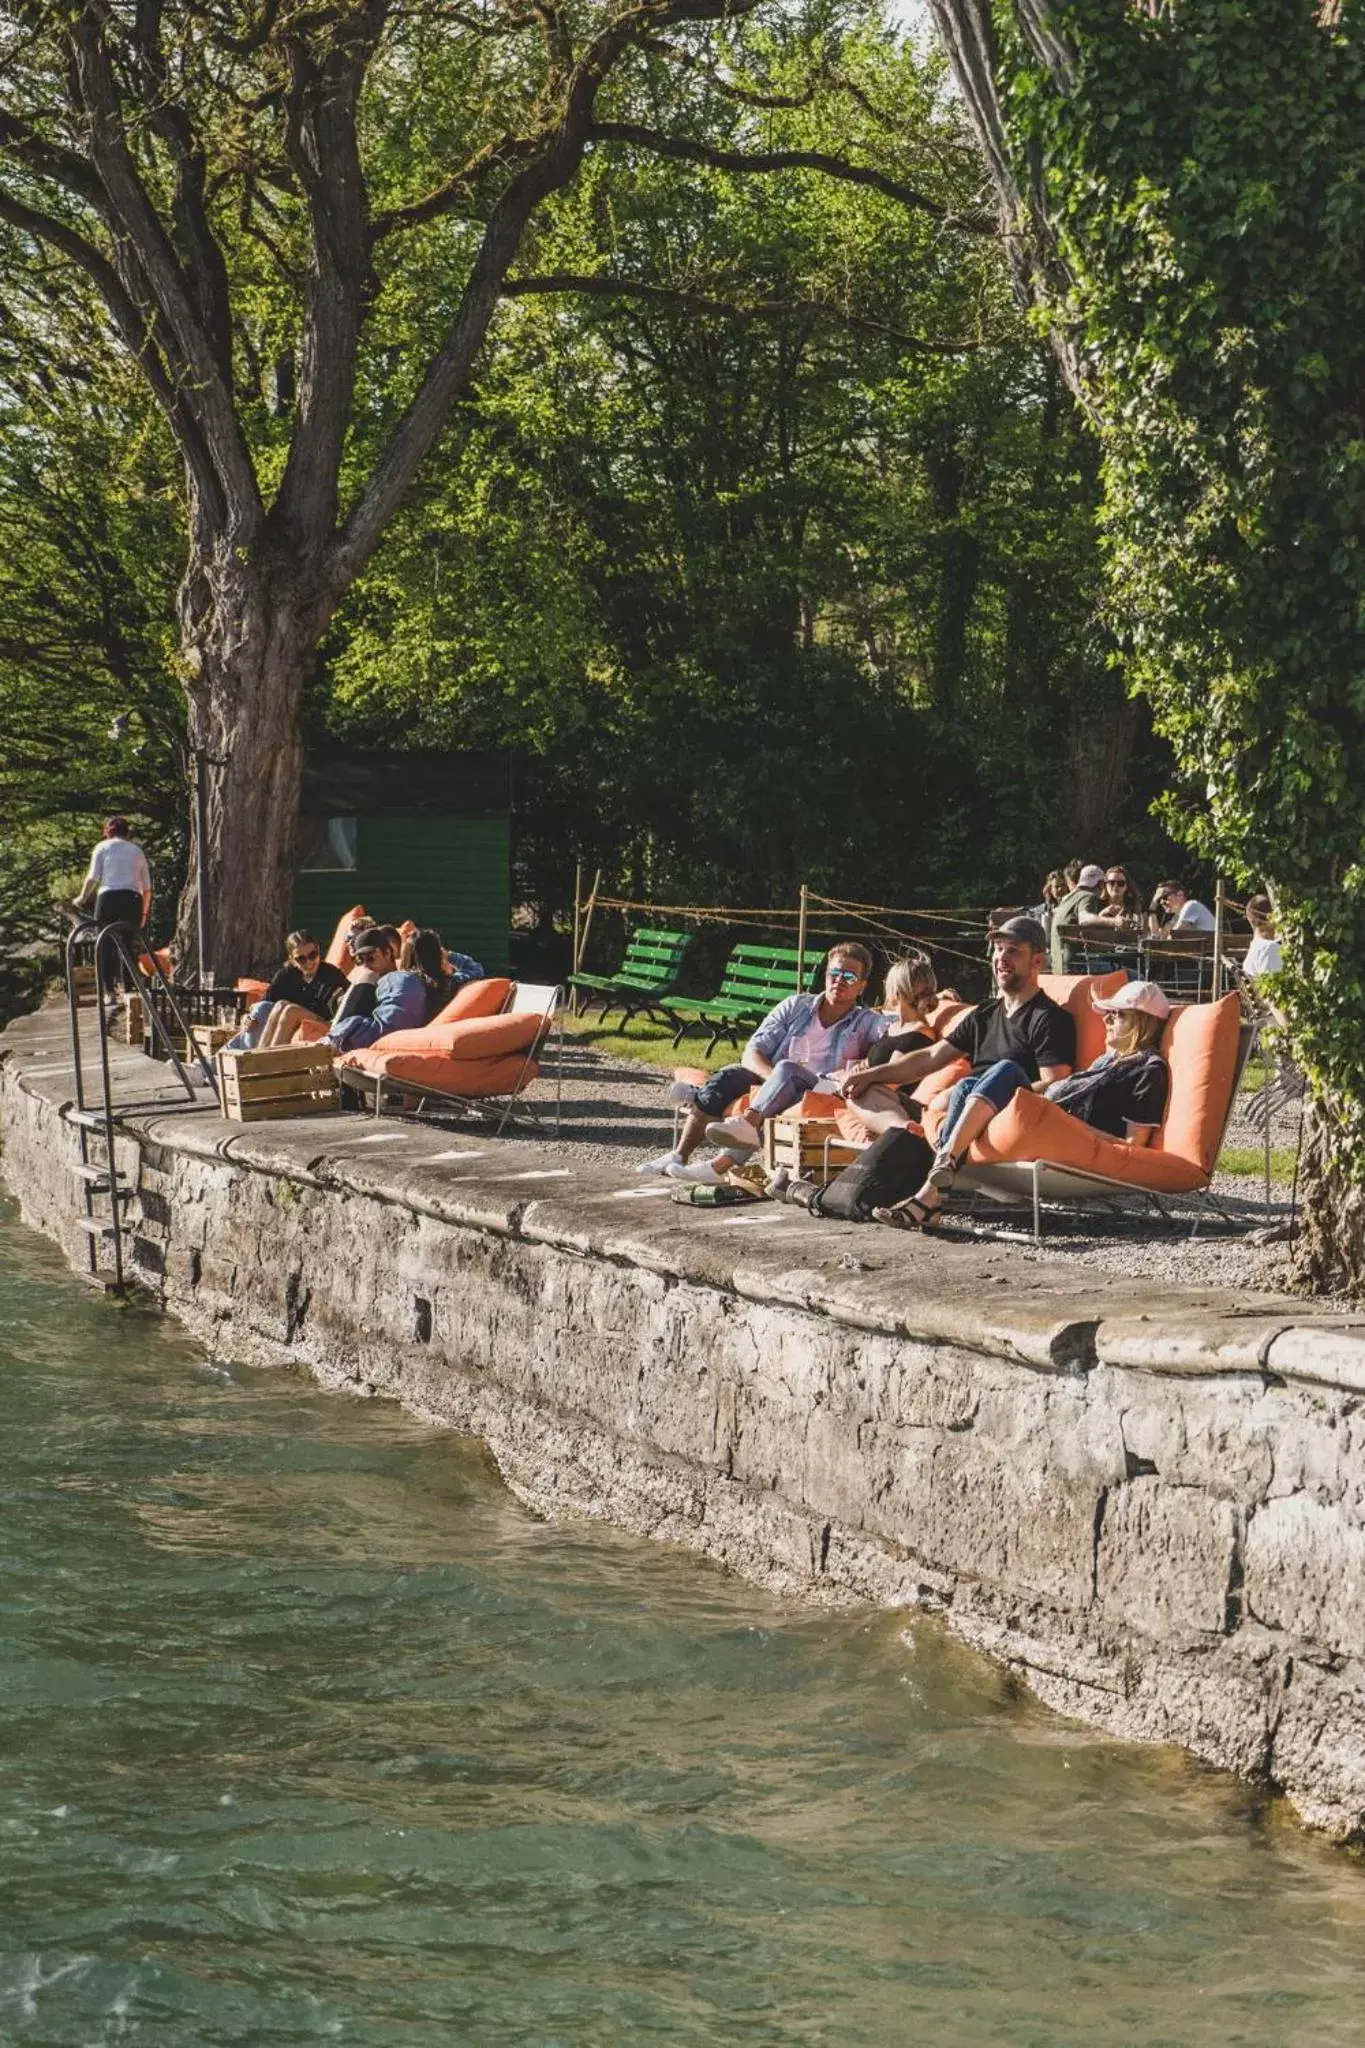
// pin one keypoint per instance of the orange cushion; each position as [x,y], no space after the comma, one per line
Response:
[475,999]
[339,953]
[944,1015]
[472,1038]
[1074,992]
[254,991]
[1201,1043]
[432,1070]
[1031,1127]
[309,1030]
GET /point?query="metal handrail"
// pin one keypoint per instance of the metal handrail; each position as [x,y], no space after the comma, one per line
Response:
[126,943]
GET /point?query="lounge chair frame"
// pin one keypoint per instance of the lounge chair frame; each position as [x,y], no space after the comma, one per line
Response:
[1043,1180]
[515,1109]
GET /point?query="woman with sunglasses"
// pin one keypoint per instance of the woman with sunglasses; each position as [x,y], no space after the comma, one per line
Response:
[1120,903]
[302,996]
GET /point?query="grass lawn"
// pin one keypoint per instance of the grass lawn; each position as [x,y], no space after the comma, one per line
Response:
[1250,1161]
[650,1044]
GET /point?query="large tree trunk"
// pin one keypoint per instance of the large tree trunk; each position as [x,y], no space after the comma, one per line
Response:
[248,643]
[1329,1242]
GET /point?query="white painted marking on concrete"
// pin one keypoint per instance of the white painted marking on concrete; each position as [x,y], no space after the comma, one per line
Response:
[377,1138]
[544,1173]
[436,1157]
[639,1194]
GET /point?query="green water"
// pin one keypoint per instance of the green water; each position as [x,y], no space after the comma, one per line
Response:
[308,1732]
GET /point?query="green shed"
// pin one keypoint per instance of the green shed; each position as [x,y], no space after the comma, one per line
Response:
[425,836]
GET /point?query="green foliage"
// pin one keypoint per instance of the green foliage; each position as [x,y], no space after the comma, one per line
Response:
[91,719]
[1203,170]
[760,599]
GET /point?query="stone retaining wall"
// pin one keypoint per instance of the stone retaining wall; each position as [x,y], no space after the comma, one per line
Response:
[1152,1507]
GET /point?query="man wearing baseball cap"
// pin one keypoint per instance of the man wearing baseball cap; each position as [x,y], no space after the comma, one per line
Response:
[1019,1039]
[1080,905]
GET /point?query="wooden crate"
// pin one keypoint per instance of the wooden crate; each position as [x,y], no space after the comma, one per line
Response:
[798,1143]
[83,981]
[132,1025]
[284,1080]
[211,1038]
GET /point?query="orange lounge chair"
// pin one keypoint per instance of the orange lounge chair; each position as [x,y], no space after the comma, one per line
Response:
[481,1050]
[1034,1150]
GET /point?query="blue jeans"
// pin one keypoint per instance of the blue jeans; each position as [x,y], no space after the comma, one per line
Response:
[998,1085]
[786,1084]
[253,1024]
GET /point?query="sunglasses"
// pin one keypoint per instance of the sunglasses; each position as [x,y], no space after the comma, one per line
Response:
[842,974]
[304,958]
[367,953]
[1113,881]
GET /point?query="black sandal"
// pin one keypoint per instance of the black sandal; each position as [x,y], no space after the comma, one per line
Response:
[911,1214]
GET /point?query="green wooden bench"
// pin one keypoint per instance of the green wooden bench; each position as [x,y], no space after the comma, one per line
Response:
[756,980]
[645,979]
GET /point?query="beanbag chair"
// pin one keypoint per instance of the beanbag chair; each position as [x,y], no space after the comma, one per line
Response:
[339,953]
[475,999]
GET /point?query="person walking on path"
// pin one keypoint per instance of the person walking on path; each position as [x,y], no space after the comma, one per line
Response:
[120,883]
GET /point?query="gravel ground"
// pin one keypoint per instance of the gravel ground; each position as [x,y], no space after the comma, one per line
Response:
[614,1114]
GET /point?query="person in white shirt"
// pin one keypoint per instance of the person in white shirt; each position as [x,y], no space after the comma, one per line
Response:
[1263,955]
[120,883]
[1175,910]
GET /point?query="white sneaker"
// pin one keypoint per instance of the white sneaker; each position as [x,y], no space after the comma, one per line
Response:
[664,1164]
[682,1094]
[736,1133]
[703,1173]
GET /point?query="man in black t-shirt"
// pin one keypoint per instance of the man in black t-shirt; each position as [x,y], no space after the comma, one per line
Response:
[1019,1039]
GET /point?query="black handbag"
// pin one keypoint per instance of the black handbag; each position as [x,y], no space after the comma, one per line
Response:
[888,1171]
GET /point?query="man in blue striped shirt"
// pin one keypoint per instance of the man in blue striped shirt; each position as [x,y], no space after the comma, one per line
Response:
[806,1042]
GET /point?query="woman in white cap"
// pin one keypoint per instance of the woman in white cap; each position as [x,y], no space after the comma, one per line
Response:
[1125,1091]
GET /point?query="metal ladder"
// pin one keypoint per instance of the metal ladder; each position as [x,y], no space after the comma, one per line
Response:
[115,946]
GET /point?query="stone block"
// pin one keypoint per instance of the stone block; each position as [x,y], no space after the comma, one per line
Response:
[1165,1559]
[1305,1573]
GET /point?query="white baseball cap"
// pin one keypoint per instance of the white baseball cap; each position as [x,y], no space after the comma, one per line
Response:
[1144,996]
[1091,877]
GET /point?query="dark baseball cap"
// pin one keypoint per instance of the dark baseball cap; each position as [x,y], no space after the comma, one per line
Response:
[1026,929]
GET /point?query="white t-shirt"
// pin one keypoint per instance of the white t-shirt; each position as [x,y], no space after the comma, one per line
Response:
[1193,916]
[812,1046]
[1263,957]
[118,864]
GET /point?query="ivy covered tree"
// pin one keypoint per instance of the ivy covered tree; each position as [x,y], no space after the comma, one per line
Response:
[1182,188]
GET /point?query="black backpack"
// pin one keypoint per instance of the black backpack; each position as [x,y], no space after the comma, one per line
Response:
[889,1170]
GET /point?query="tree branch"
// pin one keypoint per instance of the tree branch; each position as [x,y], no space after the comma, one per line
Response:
[144,251]
[762,162]
[690,61]
[324,151]
[508,150]
[198,246]
[548,171]
[135,324]
[731,309]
